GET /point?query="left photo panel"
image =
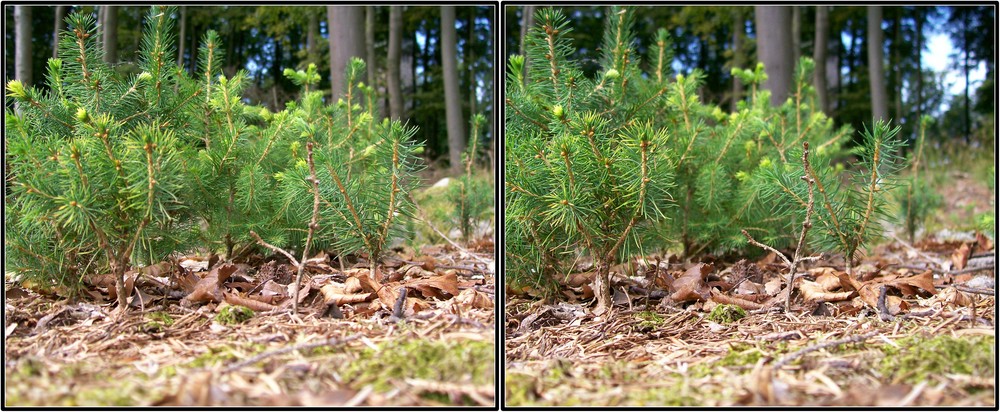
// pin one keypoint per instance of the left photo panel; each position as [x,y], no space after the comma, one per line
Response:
[257,205]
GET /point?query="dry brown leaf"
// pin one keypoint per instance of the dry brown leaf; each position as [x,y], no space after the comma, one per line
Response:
[352,285]
[691,285]
[816,292]
[256,305]
[432,287]
[828,281]
[951,296]
[336,295]
[208,288]
[869,295]
[721,298]
[474,299]
[773,286]
[960,257]
[848,282]
[909,285]
[578,279]
[983,243]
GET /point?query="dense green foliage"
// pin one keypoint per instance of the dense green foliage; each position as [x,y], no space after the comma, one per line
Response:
[112,170]
[634,161]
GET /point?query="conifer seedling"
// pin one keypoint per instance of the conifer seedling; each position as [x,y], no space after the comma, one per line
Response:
[97,162]
[583,170]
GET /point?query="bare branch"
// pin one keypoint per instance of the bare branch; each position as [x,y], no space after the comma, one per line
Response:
[274,248]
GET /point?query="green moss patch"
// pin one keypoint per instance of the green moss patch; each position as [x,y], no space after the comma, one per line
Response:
[456,361]
[920,358]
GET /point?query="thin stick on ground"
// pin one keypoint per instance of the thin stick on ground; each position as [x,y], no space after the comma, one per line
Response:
[799,353]
[443,236]
[313,225]
[287,349]
[806,225]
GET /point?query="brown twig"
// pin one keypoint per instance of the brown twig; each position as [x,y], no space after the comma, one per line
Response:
[798,354]
[287,349]
[274,248]
[313,224]
[806,225]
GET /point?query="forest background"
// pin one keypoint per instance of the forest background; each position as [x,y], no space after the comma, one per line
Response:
[914,42]
[403,45]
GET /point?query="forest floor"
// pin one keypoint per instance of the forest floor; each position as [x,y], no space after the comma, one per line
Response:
[189,339]
[913,329]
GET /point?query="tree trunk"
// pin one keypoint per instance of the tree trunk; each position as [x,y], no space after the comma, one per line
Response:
[527,20]
[469,60]
[346,41]
[896,67]
[22,51]
[110,34]
[392,61]
[876,74]
[59,27]
[602,286]
[819,57]
[370,43]
[492,97]
[774,49]
[966,52]
[738,28]
[919,18]
[312,34]
[180,40]
[796,34]
[452,98]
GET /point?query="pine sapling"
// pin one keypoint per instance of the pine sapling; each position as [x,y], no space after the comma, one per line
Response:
[98,169]
[583,169]
[851,213]
[806,225]
[918,200]
[470,196]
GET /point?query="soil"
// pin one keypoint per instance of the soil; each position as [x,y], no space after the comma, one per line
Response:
[722,345]
[60,351]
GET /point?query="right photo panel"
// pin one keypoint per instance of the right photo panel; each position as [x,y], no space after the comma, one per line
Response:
[749,205]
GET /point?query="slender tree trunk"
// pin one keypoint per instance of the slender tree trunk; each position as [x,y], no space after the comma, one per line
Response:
[22,51]
[193,62]
[774,49]
[346,41]
[100,24]
[452,98]
[527,20]
[876,73]
[180,40]
[111,34]
[492,95]
[796,34]
[392,61]
[602,286]
[966,52]
[819,56]
[370,43]
[311,35]
[470,58]
[896,69]
[59,27]
[919,19]
[738,28]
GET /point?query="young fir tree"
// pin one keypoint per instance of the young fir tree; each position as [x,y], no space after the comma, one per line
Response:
[365,169]
[472,196]
[579,153]
[849,211]
[97,162]
[585,166]
[918,200]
